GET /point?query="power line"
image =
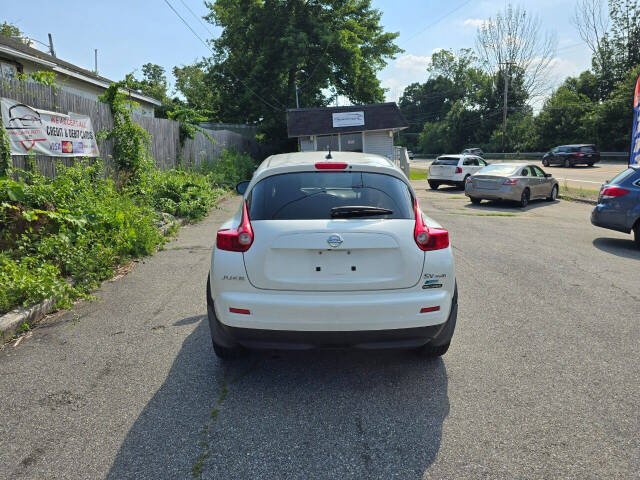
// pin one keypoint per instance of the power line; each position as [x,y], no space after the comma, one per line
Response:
[437,21]
[212,52]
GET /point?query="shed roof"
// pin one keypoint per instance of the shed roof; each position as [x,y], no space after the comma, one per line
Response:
[319,121]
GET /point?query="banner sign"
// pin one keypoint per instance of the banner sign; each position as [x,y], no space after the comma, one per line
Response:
[634,159]
[47,133]
[348,119]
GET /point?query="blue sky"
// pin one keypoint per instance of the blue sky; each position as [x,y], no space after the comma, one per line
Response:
[129,33]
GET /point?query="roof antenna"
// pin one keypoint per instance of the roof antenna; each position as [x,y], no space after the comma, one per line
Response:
[329,157]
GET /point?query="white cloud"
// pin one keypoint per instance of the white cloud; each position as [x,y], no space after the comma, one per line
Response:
[413,63]
[474,22]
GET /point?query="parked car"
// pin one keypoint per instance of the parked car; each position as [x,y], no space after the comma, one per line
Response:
[473,151]
[618,205]
[410,154]
[570,155]
[331,252]
[511,181]
[453,169]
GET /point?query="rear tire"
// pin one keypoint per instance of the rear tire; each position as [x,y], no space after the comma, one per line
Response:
[636,233]
[525,197]
[464,182]
[554,194]
[434,185]
[590,164]
[545,162]
[475,200]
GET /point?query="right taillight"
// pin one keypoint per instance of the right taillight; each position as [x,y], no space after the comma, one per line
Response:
[426,238]
[613,192]
[510,181]
[237,239]
[458,170]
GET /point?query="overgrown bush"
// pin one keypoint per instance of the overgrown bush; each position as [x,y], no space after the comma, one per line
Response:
[230,168]
[62,236]
[183,193]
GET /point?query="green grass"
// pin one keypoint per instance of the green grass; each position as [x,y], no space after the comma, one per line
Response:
[415,174]
[579,192]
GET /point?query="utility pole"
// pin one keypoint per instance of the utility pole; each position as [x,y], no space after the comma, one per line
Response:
[51,50]
[506,98]
[95,59]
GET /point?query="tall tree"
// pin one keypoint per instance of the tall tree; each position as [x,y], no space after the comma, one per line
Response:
[153,84]
[267,47]
[515,37]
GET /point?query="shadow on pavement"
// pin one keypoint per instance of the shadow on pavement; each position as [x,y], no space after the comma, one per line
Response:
[317,414]
[618,246]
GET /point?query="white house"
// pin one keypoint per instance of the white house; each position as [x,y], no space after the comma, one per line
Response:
[16,57]
[358,128]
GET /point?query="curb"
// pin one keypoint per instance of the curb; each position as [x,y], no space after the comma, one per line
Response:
[11,322]
[577,199]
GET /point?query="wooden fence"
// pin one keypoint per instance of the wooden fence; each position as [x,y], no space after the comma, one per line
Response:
[165,142]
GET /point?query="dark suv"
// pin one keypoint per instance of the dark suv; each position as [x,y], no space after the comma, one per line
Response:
[570,155]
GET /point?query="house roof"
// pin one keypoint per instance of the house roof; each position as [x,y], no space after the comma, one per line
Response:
[13,47]
[320,121]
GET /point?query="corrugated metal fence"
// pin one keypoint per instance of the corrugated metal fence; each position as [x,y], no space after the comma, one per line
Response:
[165,142]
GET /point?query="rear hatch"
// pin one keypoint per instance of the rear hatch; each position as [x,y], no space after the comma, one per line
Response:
[300,246]
[444,167]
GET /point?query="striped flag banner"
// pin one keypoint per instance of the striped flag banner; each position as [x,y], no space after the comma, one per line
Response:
[634,159]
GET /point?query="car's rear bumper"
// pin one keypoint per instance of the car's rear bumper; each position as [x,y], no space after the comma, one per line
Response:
[449,179]
[505,192]
[600,217]
[256,338]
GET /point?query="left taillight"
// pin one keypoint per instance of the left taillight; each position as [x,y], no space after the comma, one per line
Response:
[237,239]
[426,238]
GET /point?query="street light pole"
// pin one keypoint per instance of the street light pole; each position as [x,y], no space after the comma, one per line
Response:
[506,98]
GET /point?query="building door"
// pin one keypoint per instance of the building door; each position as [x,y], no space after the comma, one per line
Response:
[351,142]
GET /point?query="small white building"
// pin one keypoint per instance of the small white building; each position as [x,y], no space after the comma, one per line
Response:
[358,128]
[16,57]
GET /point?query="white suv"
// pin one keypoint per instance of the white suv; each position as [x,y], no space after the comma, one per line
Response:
[454,170]
[331,251]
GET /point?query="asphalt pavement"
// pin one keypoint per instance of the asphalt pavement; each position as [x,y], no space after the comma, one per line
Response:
[541,380]
[580,176]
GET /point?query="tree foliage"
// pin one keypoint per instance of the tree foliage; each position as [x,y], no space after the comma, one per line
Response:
[267,47]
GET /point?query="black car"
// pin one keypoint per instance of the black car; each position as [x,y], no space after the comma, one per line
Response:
[570,155]
[473,151]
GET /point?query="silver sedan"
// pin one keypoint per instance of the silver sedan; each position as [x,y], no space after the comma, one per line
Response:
[511,181]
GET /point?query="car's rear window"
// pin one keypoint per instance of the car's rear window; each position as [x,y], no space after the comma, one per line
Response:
[312,195]
[499,170]
[446,161]
[622,176]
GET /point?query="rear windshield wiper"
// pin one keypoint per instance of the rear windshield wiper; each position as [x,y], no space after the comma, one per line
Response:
[358,211]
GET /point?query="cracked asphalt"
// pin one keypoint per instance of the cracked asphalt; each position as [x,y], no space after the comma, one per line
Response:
[541,380]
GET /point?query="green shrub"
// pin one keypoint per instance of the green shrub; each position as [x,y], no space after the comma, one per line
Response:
[230,168]
[183,194]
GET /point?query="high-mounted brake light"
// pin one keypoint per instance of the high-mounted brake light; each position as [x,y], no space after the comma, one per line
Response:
[331,166]
[237,239]
[458,170]
[613,192]
[510,181]
[426,238]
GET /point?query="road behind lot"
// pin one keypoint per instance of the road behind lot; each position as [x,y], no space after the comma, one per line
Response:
[541,380]
[580,176]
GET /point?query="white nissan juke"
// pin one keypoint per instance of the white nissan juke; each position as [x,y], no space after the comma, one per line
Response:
[331,250]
